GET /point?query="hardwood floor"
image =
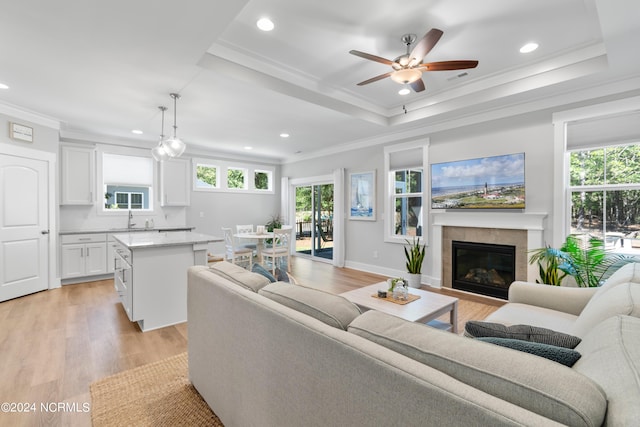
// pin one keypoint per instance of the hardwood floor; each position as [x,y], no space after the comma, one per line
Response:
[55,343]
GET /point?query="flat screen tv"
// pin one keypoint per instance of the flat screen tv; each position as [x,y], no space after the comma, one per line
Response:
[485,183]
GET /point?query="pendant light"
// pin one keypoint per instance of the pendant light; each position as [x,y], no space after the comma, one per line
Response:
[174,145]
[159,152]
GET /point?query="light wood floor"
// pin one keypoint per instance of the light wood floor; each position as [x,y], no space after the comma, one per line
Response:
[55,343]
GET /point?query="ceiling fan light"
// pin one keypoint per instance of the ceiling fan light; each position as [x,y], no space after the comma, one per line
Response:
[406,76]
[174,147]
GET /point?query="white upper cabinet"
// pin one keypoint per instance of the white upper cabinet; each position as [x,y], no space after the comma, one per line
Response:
[78,175]
[174,182]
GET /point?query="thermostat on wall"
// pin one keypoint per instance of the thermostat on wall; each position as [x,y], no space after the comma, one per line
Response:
[21,132]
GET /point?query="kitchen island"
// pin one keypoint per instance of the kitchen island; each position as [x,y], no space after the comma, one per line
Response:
[151,274]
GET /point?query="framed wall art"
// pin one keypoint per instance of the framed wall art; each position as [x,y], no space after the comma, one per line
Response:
[362,197]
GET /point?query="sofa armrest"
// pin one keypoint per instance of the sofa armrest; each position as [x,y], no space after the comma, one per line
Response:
[560,298]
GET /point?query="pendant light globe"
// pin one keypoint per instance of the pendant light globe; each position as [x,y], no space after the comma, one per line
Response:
[174,145]
[159,152]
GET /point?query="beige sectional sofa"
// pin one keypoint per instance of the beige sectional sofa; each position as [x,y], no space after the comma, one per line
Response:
[277,354]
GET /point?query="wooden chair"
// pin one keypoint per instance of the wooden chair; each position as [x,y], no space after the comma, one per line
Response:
[279,249]
[234,253]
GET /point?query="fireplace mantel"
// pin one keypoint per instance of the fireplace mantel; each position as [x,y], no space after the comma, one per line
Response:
[532,222]
[509,220]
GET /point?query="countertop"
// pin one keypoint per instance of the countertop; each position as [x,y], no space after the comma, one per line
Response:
[155,239]
[126,230]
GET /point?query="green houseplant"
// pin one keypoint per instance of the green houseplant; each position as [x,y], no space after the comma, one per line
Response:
[415,256]
[584,258]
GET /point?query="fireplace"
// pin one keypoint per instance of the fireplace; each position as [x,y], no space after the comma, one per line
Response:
[483,268]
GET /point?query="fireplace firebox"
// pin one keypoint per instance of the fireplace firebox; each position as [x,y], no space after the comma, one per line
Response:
[483,268]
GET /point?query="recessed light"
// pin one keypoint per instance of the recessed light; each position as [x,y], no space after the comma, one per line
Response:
[137,131]
[529,47]
[248,148]
[3,86]
[265,24]
[284,135]
[404,91]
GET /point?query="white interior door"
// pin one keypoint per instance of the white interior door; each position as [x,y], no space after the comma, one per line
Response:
[24,252]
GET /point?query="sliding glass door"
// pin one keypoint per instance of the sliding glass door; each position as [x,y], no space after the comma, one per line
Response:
[314,220]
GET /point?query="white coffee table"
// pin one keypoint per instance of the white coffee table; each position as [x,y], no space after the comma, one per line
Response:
[429,307]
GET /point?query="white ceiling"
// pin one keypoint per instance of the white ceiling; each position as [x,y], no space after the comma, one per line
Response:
[101,68]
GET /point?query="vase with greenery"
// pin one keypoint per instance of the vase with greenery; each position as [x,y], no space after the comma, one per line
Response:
[274,222]
[584,258]
[415,256]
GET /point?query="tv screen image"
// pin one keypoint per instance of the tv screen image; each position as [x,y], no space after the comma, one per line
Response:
[495,182]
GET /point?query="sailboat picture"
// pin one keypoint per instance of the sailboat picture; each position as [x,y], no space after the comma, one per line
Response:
[363,196]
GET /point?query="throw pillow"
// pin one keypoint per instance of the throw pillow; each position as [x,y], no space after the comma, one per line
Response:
[331,309]
[566,356]
[477,329]
[257,268]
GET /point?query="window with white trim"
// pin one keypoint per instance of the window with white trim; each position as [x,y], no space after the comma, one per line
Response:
[227,176]
[405,207]
[604,191]
[127,182]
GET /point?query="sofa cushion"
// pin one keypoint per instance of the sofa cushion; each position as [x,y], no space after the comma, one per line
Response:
[563,355]
[238,275]
[331,309]
[621,299]
[525,314]
[476,329]
[611,357]
[539,385]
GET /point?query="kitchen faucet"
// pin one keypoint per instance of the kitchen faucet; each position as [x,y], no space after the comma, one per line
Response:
[130,224]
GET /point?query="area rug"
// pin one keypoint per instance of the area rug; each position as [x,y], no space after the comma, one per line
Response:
[157,394]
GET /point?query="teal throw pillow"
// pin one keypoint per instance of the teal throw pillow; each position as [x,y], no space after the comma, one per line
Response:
[565,356]
[257,268]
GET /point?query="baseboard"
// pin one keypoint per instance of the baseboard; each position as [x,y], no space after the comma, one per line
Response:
[390,272]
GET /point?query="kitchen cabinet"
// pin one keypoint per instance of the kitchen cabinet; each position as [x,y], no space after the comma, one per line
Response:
[112,246]
[174,182]
[150,277]
[78,175]
[83,255]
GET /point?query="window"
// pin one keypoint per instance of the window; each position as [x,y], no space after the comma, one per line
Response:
[127,182]
[407,202]
[604,186]
[221,175]
[236,178]
[129,200]
[262,180]
[207,176]
[404,191]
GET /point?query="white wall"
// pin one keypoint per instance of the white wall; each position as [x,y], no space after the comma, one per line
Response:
[531,134]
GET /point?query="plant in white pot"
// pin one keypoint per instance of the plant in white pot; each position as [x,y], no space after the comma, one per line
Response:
[415,256]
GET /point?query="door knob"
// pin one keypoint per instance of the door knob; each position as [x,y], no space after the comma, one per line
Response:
[44,232]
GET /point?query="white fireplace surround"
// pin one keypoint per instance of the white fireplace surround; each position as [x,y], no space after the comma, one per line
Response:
[533,223]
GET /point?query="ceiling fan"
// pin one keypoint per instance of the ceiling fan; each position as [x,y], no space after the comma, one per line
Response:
[408,68]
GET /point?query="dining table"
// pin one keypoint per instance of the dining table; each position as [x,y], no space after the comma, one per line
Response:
[259,237]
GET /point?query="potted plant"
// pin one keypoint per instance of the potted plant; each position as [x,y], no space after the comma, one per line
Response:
[415,256]
[581,257]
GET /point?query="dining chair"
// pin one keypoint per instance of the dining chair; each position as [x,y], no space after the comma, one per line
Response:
[248,228]
[279,249]
[234,253]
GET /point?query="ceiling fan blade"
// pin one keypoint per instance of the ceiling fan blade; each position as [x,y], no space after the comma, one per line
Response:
[448,65]
[417,86]
[424,46]
[375,79]
[371,57]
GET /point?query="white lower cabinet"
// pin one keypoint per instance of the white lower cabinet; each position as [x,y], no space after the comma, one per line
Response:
[83,255]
